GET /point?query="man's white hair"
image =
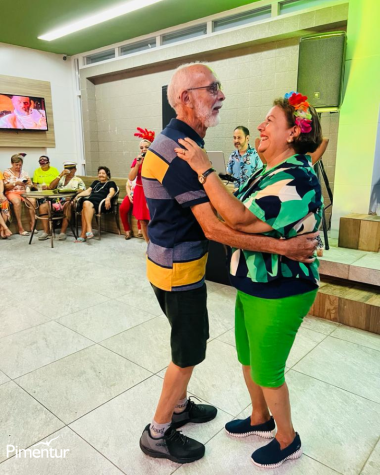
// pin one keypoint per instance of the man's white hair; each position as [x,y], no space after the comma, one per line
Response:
[182,79]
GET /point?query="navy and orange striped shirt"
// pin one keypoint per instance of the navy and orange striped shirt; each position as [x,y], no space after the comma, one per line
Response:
[178,249]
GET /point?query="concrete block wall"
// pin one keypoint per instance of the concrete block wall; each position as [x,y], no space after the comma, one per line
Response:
[251,77]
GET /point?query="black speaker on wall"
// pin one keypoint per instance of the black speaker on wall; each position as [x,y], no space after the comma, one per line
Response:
[321,69]
[168,113]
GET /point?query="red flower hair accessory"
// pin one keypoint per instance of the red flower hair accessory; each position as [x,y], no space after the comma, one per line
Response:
[145,134]
[301,111]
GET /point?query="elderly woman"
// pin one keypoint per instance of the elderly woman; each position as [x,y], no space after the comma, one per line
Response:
[140,207]
[101,189]
[4,211]
[274,293]
[15,182]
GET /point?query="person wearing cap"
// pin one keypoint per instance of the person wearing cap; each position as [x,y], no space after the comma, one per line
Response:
[15,182]
[66,180]
[45,174]
[42,177]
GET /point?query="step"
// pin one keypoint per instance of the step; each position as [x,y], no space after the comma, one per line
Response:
[354,305]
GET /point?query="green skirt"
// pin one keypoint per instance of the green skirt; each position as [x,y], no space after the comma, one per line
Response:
[265,330]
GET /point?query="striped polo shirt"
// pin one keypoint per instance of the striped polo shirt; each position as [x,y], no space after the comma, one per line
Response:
[178,249]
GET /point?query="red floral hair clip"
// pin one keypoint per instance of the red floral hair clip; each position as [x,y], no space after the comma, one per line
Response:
[145,134]
[301,111]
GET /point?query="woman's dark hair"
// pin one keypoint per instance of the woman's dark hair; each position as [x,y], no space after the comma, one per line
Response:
[243,129]
[304,143]
[107,170]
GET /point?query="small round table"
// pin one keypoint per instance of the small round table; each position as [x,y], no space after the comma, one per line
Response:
[49,195]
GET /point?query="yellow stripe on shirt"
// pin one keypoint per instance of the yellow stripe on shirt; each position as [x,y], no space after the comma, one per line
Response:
[182,274]
[154,167]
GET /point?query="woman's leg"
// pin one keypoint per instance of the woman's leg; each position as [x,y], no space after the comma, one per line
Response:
[124,214]
[144,229]
[279,404]
[87,215]
[260,412]
[16,201]
[32,213]
[4,230]
[271,338]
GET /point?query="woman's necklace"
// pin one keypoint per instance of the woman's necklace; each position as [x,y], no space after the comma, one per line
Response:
[95,190]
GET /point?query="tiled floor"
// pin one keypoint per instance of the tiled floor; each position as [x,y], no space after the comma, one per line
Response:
[84,347]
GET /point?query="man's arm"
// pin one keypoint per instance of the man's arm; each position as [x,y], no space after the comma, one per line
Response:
[298,249]
[317,155]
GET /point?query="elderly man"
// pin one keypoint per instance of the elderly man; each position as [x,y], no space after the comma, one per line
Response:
[65,180]
[24,116]
[182,222]
[244,161]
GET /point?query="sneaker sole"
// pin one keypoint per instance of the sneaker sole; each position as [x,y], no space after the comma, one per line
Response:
[295,455]
[266,435]
[177,425]
[160,455]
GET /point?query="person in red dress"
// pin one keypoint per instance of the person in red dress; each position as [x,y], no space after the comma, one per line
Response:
[124,209]
[140,207]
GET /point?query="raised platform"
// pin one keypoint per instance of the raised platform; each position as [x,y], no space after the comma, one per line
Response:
[351,264]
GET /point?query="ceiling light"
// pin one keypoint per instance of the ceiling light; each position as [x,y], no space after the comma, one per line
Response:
[98,18]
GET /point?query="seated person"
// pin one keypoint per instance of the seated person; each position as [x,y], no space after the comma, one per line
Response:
[88,201]
[45,174]
[42,177]
[125,208]
[244,161]
[15,182]
[67,180]
[4,211]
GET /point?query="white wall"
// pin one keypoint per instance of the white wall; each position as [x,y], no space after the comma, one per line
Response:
[33,64]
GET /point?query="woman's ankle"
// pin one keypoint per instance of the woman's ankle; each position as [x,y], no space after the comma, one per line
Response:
[261,418]
[285,439]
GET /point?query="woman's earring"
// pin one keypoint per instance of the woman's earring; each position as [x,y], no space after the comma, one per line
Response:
[290,140]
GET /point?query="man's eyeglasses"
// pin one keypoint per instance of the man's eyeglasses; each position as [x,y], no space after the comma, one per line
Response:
[213,88]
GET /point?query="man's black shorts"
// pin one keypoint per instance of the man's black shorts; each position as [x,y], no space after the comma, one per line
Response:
[188,318]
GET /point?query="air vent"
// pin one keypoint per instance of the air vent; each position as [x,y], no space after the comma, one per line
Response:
[137,47]
[102,56]
[242,18]
[185,34]
[289,6]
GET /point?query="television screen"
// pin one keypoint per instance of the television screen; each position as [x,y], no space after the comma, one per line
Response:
[22,112]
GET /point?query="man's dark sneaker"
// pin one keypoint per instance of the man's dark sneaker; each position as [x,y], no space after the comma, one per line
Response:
[271,455]
[173,446]
[197,413]
[243,428]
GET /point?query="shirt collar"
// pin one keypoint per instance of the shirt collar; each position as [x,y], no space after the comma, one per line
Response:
[237,154]
[177,124]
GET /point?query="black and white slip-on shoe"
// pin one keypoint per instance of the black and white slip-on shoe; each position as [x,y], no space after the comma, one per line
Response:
[271,455]
[243,428]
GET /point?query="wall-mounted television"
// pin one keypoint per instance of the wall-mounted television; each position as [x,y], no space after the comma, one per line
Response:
[22,112]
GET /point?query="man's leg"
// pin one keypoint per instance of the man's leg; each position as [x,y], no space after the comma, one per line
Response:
[187,314]
[174,388]
[45,222]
